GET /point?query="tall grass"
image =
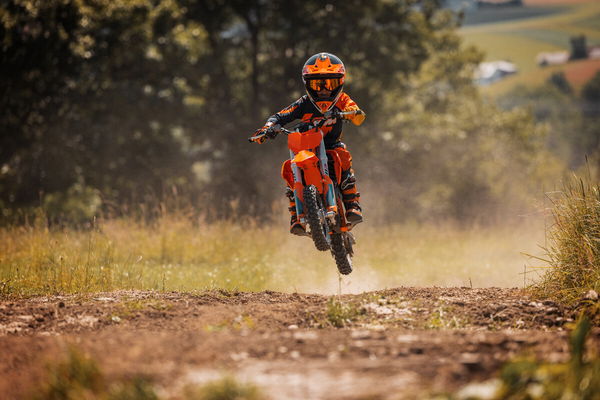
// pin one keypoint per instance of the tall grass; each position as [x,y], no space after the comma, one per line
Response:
[573,252]
[78,376]
[176,252]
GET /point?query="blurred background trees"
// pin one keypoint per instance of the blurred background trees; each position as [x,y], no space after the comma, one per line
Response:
[122,102]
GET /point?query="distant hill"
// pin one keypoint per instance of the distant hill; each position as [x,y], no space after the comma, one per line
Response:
[519,34]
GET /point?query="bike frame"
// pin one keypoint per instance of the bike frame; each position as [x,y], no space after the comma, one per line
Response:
[309,163]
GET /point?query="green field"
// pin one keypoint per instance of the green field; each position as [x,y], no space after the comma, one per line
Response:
[520,40]
[176,253]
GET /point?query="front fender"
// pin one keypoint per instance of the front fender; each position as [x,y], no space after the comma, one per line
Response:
[308,162]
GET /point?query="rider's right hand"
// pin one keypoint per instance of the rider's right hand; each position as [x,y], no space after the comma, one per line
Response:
[268,131]
[260,135]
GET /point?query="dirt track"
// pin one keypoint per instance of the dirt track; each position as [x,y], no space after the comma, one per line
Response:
[402,343]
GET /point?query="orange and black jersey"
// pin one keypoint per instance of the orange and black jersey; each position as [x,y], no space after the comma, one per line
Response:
[305,110]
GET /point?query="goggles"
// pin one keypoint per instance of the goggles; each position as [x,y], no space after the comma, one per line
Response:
[324,84]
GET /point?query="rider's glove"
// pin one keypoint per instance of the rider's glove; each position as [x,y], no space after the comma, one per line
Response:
[269,131]
[331,116]
[259,136]
[272,131]
[334,113]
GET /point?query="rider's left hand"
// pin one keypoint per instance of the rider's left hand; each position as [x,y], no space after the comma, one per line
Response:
[334,113]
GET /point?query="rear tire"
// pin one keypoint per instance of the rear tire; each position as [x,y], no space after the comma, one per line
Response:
[319,230]
[343,259]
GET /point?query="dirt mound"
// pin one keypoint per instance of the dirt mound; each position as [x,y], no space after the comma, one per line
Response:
[389,344]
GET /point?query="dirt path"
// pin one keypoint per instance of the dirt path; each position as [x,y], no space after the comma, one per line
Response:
[398,343]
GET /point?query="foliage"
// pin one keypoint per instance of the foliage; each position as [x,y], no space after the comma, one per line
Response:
[339,314]
[559,80]
[224,389]
[449,153]
[128,95]
[79,377]
[139,99]
[573,253]
[571,121]
[526,378]
[78,205]
[442,318]
[591,91]
[577,379]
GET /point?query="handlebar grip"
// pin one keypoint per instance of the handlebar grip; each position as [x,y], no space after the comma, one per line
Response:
[254,138]
[352,112]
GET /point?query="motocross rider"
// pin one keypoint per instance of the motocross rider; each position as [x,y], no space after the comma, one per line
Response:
[323,75]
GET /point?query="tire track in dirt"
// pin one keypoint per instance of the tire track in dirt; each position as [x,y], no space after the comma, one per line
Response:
[397,343]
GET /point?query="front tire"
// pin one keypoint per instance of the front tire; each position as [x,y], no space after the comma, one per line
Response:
[343,258]
[319,229]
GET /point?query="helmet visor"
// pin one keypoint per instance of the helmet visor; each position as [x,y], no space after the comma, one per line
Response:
[324,84]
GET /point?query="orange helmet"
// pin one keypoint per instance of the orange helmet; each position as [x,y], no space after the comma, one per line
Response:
[323,75]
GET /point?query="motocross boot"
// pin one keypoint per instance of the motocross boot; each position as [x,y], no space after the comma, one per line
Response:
[351,197]
[296,227]
[353,212]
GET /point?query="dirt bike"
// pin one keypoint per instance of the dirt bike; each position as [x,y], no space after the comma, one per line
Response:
[318,196]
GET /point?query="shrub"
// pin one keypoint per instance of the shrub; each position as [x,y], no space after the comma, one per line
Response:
[340,314]
[226,388]
[577,379]
[79,377]
[574,242]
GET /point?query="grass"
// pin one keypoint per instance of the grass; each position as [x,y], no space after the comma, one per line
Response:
[178,254]
[521,40]
[79,377]
[573,253]
[226,388]
[442,318]
[339,314]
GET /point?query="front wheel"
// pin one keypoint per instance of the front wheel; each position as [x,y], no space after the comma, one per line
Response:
[341,248]
[315,215]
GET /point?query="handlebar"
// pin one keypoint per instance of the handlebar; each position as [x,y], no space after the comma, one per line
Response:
[316,124]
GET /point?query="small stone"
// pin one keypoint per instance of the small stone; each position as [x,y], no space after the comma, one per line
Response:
[293,326]
[480,390]
[360,335]
[307,335]
[239,356]
[591,295]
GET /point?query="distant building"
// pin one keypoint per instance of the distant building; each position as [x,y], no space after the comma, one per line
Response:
[594,53]
[493,71]
[460,5]
[499,3]
[552,58]
[473,5]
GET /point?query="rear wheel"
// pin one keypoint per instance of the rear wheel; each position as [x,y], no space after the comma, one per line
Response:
[315,214]
[342,255]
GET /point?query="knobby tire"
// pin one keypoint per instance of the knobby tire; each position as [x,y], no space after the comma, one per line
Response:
[342,258]
[318,230]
